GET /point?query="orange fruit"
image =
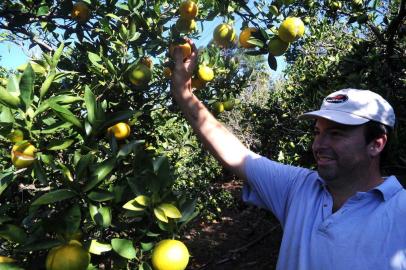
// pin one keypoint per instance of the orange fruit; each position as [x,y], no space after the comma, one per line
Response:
[277,47]
[185,25]
[170,255]
[120,131]
[186,49]
[167,72]
[188,10]
[71,256]
[140,75]
[224,35]
[291,29]
[245,36]
[80,12]
[16,136]
[205,73]
[23,154]
[218,106]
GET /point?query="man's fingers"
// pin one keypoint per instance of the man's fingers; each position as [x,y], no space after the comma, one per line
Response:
[178,54]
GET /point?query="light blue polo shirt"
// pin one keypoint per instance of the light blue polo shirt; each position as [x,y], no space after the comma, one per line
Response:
[367,233]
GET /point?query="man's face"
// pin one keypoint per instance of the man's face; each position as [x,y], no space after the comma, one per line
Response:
[340,151]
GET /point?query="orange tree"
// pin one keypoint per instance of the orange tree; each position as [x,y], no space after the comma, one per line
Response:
[89,182]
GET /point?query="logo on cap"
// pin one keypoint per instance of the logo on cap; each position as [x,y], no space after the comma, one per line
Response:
[337,99]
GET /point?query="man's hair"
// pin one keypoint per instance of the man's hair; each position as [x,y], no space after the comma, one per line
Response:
[375,130]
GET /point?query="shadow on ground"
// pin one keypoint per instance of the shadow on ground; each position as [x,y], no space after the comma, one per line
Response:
[245,238]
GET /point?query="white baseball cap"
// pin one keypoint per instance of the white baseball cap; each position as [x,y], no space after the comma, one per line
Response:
[354,107]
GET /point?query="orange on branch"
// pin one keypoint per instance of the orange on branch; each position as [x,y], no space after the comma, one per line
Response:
[71,256]
[291,29]
[185,25]
[224,35]
[277,46]
[140,75]
[185,47]
[170,255]
[205,73]
[245,36]
[120,131]
[81,12]
[188,10]
[23,154]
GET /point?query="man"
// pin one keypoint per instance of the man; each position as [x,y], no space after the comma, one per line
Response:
[345,215]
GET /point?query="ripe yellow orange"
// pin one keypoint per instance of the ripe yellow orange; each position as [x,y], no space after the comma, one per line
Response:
[218,106]
[16,136]
[167,72]
[245,36]
[185,25]
[81,12]
[188,10]
[71,256]
[291,29]
[224,35]
[120,131]
[205,73]
[140,75]
[23,154]
[186,49]
[198,83]
[170,255]
[277,47]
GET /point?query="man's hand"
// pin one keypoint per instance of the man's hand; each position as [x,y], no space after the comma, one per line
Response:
[183,69]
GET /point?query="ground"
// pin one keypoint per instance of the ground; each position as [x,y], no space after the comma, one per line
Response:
[244,238]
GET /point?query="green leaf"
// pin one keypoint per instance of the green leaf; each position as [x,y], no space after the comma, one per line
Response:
[170,210]
[55,145]
[124,248]
[103,217]
[130,147]
[102,170]
[147,246]
[9,100]
[72,218]
[27,86]
[39,173]
[65,115]
[55,196]
[10,266]
[98,248]
[139,203]
[83,164]
[5,180]
[144,266]
[12,233]
[37,68]
[160,214]
[46,84]
[95,59]
[95,113]
[41,245]
[57,55]
[101,195]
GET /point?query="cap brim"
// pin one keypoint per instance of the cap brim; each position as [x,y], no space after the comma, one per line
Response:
[336,116]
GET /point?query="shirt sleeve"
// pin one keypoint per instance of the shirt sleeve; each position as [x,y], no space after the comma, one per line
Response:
[271,185]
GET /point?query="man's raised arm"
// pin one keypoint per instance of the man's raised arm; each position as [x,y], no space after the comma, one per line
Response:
[221,143]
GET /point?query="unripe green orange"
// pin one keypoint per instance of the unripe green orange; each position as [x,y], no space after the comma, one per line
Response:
[140,75]
[277,47]
[218,107]
[185,25]
[170,255]
[224,35]
[71,256]
[16,136]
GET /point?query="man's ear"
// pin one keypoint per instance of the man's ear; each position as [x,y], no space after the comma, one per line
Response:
[376,146]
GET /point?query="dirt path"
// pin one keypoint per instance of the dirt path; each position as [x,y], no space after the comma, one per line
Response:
[245,238]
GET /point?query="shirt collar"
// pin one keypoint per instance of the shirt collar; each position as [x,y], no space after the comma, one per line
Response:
[389,187]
